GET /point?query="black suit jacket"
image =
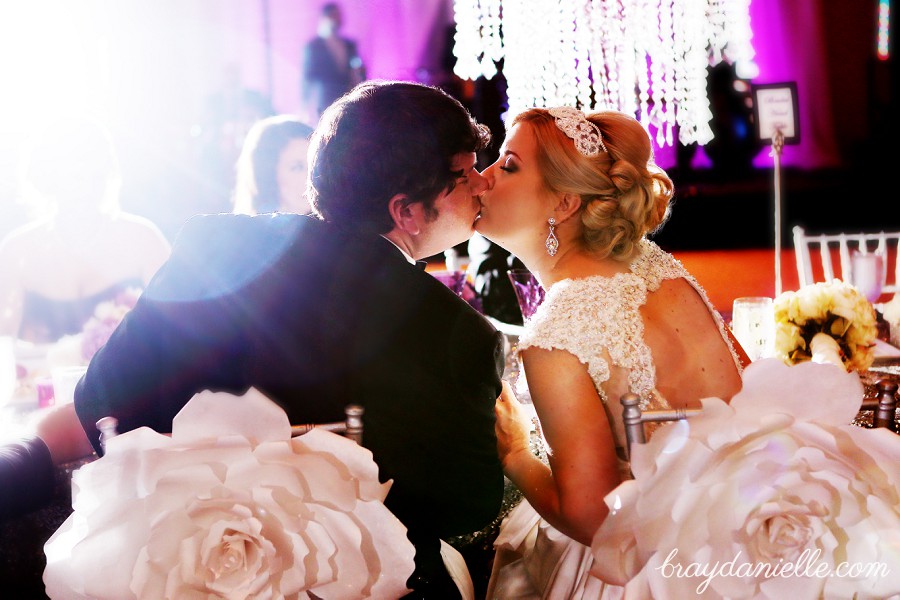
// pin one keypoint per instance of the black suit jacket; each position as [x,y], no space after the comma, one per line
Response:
[317,317]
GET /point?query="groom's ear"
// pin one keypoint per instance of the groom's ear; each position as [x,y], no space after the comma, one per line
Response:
[566,206]
[405,214]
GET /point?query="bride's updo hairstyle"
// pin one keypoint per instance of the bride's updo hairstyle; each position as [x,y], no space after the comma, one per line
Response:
[624,195]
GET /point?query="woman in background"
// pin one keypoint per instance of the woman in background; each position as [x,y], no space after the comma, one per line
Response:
[574,197]
[271,170]
[82,249]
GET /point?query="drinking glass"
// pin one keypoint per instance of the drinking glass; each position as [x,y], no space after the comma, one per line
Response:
[529,292]
[64,381]
[455,280]
[867,274]
[753,324]
[7,369]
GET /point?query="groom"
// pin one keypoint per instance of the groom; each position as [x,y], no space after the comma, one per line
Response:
[320,313]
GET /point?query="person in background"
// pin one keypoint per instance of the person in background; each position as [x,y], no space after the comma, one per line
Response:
[272,170]
[225,119]
[331,64]
[320,312]
[82,249]
[574,196]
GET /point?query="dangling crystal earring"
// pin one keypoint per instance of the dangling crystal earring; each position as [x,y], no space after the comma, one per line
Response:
[552,243]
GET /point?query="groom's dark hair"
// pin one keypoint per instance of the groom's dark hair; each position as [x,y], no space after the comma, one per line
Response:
[385,138]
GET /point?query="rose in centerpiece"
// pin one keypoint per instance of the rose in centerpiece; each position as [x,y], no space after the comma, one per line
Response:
[772,496]
[835,309]
[107,316]
[78,349]
[229,506]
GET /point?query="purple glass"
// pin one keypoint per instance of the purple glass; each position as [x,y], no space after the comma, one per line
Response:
[455,280]
[529,292]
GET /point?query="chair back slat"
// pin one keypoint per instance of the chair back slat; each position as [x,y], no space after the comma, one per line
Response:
[844,252]
[801,251]
[884,244]
[825,256]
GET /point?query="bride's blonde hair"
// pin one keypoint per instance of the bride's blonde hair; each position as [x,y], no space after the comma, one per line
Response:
[624,195]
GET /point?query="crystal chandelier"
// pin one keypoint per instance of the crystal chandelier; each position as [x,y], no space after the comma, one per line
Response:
[644,57]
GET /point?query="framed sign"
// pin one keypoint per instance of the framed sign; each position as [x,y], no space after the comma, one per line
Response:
[775,107]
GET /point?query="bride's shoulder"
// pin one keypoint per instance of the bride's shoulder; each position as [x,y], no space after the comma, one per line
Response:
[576,304]
[654,265]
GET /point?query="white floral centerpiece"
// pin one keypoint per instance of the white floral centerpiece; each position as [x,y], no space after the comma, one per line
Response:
[229,506]
[830,319]
[773,496]
[891,314]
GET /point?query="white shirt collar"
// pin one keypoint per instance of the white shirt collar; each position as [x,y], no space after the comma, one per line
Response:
[408,258]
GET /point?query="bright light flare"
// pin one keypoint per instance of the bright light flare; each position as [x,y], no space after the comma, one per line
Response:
[52,60]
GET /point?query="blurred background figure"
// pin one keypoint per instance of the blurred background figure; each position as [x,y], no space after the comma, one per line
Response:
[331,65]
[80,249]
[227,116]
[272,169]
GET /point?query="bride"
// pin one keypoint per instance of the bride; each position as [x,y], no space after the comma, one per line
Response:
[573,197]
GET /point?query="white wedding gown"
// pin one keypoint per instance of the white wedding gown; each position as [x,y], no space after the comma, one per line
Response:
[591,318]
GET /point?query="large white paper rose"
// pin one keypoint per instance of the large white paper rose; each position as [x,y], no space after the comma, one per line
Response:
[772,496]
[229,506]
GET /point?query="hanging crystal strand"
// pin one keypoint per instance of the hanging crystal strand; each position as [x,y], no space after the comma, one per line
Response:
[567,57]
[551,73]
[583,55]
[629,59]
[493,43]
[694,114]
[536,36]
[546,92]
[643,57]
[521,70]
[467,43]
[516,79]
[684,73]
[617,52]
[666,54]
[739,35]
[646,45]
[597,56]
[715,17]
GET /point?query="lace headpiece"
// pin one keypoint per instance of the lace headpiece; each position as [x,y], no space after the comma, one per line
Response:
[575,125]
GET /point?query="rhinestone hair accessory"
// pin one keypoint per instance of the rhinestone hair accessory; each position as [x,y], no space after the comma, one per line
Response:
[575,125]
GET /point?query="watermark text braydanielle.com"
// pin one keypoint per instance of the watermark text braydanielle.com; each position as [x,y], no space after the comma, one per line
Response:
[806,565]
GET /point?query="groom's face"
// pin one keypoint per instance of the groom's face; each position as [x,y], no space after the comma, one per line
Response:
[453,219]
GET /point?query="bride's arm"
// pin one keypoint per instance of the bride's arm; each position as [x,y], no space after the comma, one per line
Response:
[583,465]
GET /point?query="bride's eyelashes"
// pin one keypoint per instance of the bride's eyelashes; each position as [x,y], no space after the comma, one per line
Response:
[509,166]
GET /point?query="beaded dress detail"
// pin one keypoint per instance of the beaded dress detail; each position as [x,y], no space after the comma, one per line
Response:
[598,316]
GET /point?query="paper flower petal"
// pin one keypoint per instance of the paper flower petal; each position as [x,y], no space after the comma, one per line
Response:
[229,506]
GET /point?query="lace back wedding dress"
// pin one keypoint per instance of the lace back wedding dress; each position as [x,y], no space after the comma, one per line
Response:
[592,318]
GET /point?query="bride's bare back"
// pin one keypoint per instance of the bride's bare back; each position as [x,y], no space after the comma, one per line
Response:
[692,359]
